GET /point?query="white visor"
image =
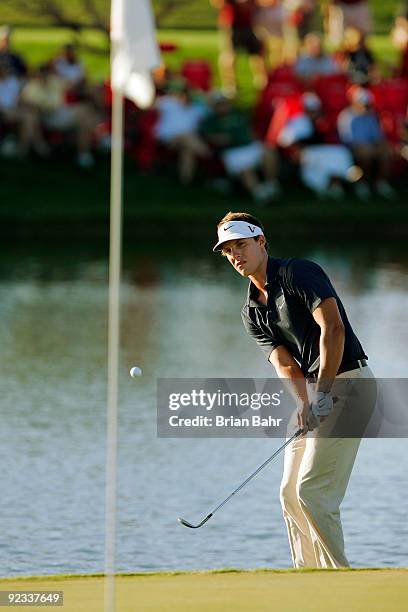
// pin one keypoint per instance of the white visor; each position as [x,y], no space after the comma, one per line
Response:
[234,230]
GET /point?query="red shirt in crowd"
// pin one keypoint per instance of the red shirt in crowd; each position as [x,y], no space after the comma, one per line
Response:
[236,14]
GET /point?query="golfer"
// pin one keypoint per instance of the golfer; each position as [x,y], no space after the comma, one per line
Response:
[295,315]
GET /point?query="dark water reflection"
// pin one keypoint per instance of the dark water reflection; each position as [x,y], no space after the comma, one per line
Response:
[180,317]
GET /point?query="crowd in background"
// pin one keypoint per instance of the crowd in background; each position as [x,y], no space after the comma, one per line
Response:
[48,103]
[333,118]
[272,31]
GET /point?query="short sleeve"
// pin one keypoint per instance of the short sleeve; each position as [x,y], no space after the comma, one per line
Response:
[266,341]
[308,281]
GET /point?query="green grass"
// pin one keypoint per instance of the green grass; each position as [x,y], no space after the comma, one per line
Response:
[364,590]
[38,45]
[195,13]
[219,570]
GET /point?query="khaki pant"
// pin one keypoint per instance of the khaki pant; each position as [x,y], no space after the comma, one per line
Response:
[316,474]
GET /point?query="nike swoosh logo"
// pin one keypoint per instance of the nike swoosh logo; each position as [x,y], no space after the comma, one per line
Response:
[227,228]
[251,228]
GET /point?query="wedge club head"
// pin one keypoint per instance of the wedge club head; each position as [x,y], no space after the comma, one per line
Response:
[187,524]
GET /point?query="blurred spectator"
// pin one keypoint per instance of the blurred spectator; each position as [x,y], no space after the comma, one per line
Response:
[228,132]
[177,125]
[68,66]
[10,87]
[399,37]
[359,128]
[236,23]
[197,73]
[71,70]
[43,97]
[343,14]
[359,62]
[298,22]
[313,61]
[13,62]
[323,166]
[268,26]
[9,112]
[403,147]
[162,76]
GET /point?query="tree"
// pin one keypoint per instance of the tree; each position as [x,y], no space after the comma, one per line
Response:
[80,14]
[76,15]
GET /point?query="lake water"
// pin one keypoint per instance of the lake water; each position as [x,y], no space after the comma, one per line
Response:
[180,318]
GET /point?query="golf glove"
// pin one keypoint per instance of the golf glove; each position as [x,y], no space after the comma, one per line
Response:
[322,404]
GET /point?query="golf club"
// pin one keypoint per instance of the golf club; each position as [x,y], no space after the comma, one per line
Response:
[265,463]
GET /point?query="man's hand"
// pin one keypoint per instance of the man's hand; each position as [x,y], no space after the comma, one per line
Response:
[306,420]
[322,404]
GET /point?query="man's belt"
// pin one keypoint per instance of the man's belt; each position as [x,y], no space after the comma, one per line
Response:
[345,367]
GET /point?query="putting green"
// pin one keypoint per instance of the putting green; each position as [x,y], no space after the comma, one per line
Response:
[250,591]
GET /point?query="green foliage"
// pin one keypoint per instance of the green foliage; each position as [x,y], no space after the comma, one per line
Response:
[186,14]
[33,12]
[61,197]
[191,13]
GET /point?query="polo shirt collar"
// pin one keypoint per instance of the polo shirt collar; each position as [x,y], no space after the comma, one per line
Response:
[271,270]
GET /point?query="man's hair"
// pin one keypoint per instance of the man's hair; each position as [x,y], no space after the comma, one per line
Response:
[242,216]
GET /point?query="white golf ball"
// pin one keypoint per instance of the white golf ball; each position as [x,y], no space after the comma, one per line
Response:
[135,371]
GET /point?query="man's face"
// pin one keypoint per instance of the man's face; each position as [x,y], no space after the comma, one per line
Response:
[245,254]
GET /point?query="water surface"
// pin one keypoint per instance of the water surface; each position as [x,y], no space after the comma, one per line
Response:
[180,317]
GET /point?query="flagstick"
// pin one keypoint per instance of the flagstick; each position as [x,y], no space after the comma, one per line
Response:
[115,238]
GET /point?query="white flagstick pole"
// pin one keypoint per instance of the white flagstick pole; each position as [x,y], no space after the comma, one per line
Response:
[134,53]
[115,240]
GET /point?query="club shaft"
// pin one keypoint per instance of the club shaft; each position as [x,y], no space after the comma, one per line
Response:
[261,467]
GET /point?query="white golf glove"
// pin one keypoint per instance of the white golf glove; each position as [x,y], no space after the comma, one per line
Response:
[322,404]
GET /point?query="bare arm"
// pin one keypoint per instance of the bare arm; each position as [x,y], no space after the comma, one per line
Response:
[328,318]
[292,376]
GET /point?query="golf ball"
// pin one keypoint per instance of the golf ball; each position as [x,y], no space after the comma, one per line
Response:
[135,371]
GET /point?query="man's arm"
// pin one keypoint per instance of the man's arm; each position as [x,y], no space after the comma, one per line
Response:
[285,365]
[312,286]
[292,376]
[328,318]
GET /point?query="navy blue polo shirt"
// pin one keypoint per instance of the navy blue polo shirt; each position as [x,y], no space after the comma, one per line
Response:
[295,288]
